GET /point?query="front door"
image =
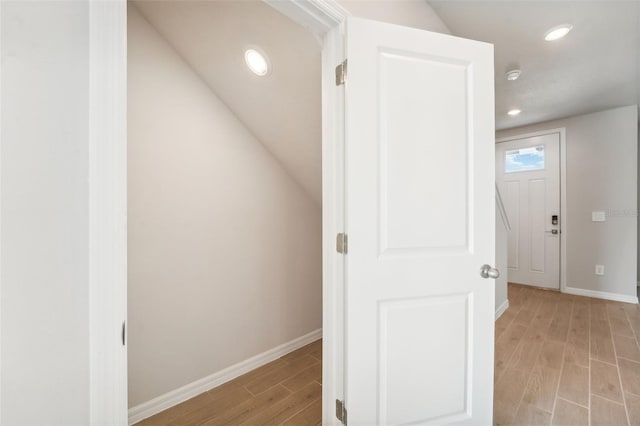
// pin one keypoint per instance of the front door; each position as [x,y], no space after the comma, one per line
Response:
[528,176]
[419,170]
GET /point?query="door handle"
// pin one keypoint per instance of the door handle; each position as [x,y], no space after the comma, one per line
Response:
[553,231]
[487,271]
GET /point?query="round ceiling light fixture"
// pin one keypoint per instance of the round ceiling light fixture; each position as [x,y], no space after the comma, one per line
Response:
[558,32]
[514,112]
[513,75]
[257,62]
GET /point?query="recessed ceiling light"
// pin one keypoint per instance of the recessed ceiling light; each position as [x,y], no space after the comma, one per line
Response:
[514,112]
[513,75]
[257,62]
[558,32]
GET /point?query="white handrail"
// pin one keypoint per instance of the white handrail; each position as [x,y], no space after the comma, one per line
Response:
[502,210]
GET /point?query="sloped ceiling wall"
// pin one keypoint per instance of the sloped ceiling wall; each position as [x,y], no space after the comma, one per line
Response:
[410,13]
[282,109]
[222,243]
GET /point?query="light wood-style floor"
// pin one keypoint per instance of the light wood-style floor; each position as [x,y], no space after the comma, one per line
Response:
[559,359]
[286,391]
[566,360]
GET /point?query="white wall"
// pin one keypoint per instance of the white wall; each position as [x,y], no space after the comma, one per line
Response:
[602,167]
[44,215]
[224,247]
[410,13]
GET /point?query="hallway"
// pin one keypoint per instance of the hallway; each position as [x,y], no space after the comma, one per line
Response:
[566,360]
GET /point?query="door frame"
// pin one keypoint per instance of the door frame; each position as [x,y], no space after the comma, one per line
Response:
[561,131]
[108,200]
[107,212]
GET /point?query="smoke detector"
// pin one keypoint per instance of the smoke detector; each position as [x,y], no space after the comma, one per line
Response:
[513,75]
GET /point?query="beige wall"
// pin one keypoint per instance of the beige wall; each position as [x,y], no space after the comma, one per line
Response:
[410,13]
[224,247]
[45,202]
[602,166]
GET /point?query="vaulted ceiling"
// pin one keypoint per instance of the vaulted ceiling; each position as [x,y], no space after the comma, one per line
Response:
[282,109]
[595,67]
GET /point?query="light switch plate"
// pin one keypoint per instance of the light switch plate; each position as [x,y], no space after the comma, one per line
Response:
[598,216]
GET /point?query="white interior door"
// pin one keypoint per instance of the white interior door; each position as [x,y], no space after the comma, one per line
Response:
[528,176]
[420,211]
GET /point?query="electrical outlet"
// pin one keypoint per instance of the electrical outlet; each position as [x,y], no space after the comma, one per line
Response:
[599,269]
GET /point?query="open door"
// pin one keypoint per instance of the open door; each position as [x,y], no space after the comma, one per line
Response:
[420,219]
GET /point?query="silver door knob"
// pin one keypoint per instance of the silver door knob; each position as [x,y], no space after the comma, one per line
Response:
[487,271]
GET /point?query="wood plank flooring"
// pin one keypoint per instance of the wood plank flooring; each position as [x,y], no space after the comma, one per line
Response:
[287,391]
[559,359]
[566,360]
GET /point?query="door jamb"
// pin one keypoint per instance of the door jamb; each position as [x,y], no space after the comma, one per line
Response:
[108,200]
[562,131]
[107,186]
[324,18]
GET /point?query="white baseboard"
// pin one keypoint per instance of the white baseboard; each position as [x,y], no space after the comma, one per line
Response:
[601,295]
[169,399]
[503,307]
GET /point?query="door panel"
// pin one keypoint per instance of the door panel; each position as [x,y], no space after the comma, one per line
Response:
[402,397]
[420,216]
[528,173]
[537,212]
[410,223]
